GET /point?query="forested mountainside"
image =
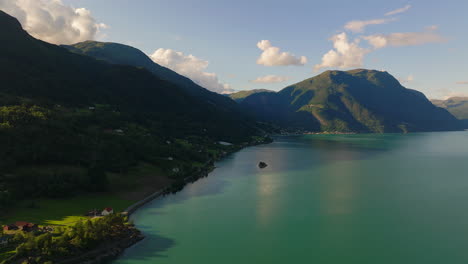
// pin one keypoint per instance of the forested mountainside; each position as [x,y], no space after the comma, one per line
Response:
[351,101]
[69,121]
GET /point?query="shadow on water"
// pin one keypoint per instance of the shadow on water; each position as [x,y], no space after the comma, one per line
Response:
[197,188]
[153,246]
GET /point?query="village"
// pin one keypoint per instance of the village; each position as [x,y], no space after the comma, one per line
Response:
[8,231]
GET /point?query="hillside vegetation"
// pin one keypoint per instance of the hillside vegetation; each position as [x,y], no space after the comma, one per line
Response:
[241,95]
[71,124]
[351,101]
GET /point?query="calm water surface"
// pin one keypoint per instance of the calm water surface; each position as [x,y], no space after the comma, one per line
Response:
[323,199]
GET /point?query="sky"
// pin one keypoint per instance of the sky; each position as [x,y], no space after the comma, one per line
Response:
[240,45]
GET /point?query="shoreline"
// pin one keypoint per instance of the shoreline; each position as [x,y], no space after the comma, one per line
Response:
[172,189]
[179,185]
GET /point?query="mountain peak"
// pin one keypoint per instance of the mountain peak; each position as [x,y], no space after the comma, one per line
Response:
[357,100]
[8,21]
[11,28]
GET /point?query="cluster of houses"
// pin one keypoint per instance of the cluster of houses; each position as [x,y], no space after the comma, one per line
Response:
[96,212]
[21,226]
[17,226]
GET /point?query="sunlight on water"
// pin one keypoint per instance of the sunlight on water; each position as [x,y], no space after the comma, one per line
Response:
[323,199]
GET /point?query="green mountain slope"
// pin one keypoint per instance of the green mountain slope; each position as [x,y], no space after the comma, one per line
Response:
[116,53]
[352,101]
[241,95]
[70,123]
[39,70]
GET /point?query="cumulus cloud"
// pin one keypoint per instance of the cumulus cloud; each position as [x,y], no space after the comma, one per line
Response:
[399,10]
[271,79]
[191,67]
[463,82]
[408,79]
[360,25]
[52,21]
[346,54]
[272,56]
[404,39]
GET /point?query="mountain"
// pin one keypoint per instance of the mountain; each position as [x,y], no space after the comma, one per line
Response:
[35,69]
[241,95]
[70,123]
[351,101]
[121,54]
[457,106]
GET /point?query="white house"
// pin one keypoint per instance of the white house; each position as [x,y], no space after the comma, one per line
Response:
[107,211]
[3,241]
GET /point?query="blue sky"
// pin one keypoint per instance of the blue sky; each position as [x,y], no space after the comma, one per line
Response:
[432,58]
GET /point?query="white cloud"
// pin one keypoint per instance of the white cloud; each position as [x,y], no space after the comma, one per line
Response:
[346,54]
[408,79]
[454,94]
[271,79]
[404,39]
[52,21]
[191,67]
[359,25]
[463,82]
[272,56]
[399,10]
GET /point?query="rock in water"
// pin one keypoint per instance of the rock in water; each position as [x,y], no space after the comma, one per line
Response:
[262,165]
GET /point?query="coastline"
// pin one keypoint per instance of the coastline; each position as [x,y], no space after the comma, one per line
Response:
[114,252]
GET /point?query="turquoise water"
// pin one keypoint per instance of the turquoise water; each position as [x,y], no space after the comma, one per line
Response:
[323,199]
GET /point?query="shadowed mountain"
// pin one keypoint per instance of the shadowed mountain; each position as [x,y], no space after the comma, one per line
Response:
[351,101]
[116,53]
[50,74]
[457,106]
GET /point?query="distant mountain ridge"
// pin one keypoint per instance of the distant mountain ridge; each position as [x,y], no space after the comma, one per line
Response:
[241,95]
[358,100]
[457,106]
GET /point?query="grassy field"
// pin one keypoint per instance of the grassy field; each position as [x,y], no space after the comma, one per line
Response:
[6,254]
[62,211]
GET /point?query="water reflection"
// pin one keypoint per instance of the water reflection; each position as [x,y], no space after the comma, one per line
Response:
[340,189]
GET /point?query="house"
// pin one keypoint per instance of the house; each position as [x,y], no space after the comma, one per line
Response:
[26,226]
[4,241]
[93,213]
[92,108]
[119,131]
[10,227]
[107,211]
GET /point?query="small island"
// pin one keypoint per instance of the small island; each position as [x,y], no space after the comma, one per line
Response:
[262,165]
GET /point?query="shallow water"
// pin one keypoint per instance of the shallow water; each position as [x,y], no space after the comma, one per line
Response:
[323,199]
